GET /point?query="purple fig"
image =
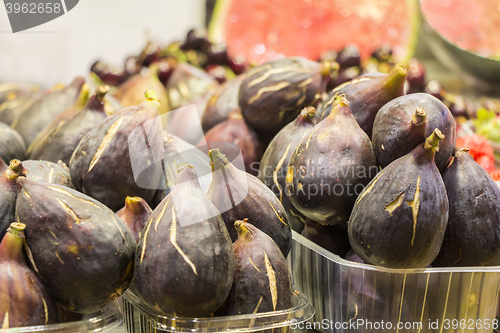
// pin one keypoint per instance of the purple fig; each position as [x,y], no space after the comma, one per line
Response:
[134,214]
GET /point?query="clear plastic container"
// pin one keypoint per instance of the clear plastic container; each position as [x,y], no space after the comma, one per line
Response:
[140,318]
[353,297]
[106,320]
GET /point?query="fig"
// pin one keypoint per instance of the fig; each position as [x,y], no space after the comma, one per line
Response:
[48,172]
[131,92]
[274,163]
[262,281]
[222,102]
[237,194]
[11,109]
[400,218]
[175,152]
[187,84]
[45,109]
[8,193]
[366,95]
[274,93]
[330,167]
[60,143]
[405,122]
[24,300]
[185,121]
[472,236]
[115,159]
[235,130]
[333,238]
[11,144]
[184,263]
[134,214]
[80,249]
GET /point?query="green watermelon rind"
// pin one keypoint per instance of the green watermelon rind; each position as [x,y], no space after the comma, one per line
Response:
[221,9]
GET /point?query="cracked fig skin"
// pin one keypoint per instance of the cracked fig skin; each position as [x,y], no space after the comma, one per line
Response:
[262,281]
[24,300]
[8,192]
[184,267]
[81,250]
[399,219]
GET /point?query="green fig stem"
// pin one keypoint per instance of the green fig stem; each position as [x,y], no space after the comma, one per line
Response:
[83,97]
[339,103]
[15,170]
[217,159]
[101,92]
[419,117]
[328,67]
[134,204]
[11,247]
[151,95]
[395,79]
[308,112]
[432,142]
[242,227]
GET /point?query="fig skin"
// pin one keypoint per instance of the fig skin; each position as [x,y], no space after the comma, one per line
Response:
[473,233]
[8,193]
[236,193]
[101,165]
[10,110]
[330,166]
[366,95]
[60,143]
[11,144]
[131,92]
[333,238]
[24,300]
[398,128]
[45,109]
[185,269]
[262,281]
[274,93]
[400,218]
[221,103]
[235,130]
[274,163]
[135,214]
[175,151]
[48,172]
[70,232]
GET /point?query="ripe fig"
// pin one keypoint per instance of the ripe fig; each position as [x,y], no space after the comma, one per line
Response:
[222,102]
[400,218]
[24,300]
[11,144]
[184,263]
[236,193]
[473,233]
[8,193]
[112,161]
[405,122]
[187,84]
[274,163]
[262,281]
[366,95]
[134,214]
[48,172]
[333,238]
[10,110]
[175,152]
[60,143]
[45,109]
[131,92]
[80,249]
[274,93]
[330,167]
[235,130]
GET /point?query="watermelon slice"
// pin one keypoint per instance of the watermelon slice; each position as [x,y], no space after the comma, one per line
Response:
[263,30]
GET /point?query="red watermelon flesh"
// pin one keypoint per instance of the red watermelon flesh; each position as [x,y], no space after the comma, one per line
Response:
[472,25]
[262,30]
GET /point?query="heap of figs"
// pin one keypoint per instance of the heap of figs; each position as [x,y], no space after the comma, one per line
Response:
[104,188]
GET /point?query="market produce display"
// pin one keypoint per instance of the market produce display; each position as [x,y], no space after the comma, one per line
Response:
[106,189]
